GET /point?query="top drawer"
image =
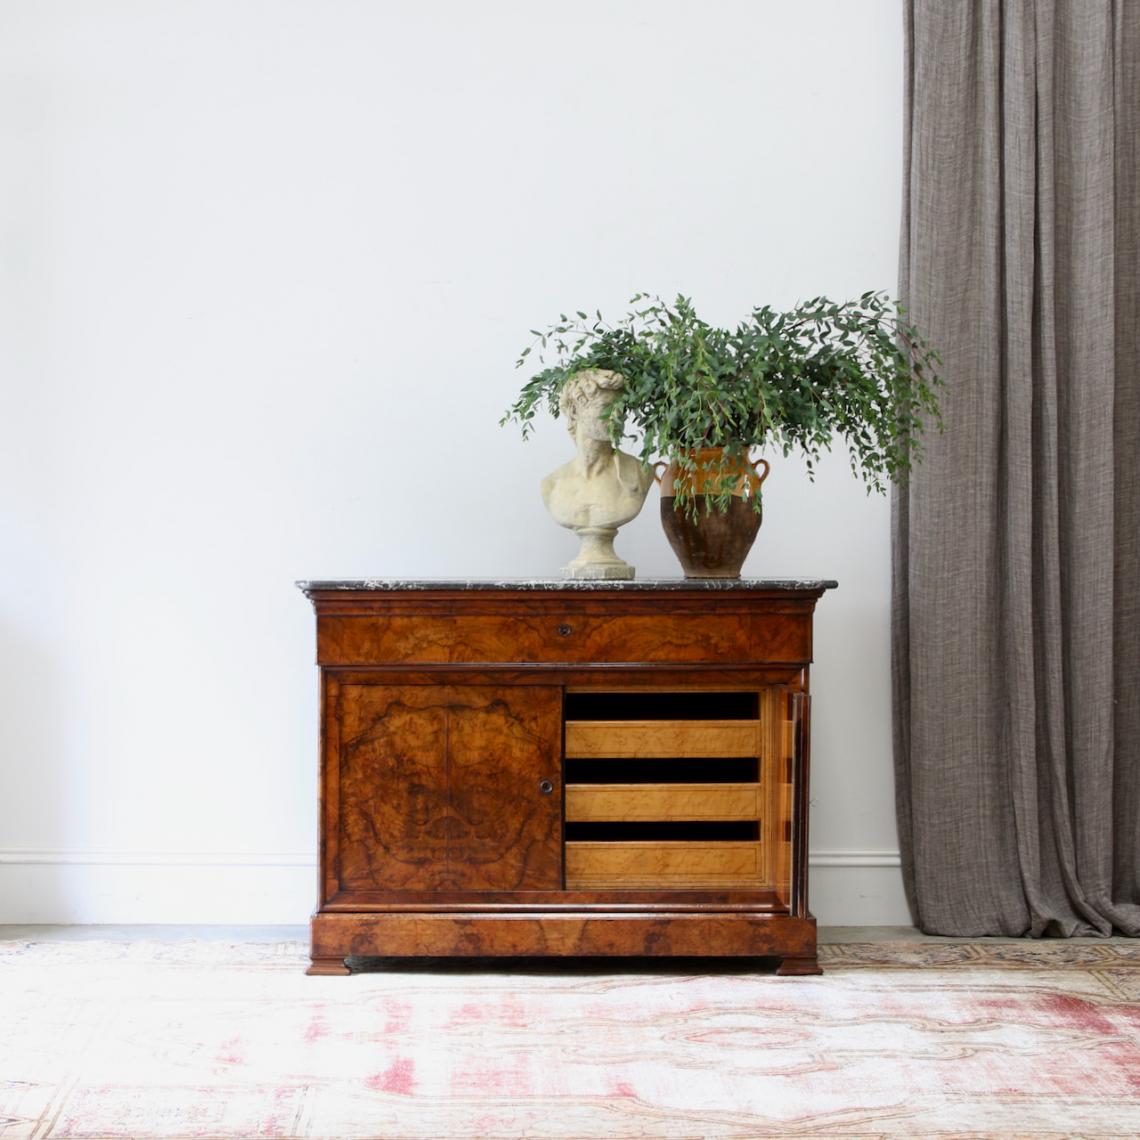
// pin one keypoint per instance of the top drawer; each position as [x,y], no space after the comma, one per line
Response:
[722,638]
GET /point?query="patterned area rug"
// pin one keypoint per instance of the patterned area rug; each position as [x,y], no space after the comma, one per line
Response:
[208,1039]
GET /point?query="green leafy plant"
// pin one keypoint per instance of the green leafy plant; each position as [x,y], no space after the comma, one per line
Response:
[793,379]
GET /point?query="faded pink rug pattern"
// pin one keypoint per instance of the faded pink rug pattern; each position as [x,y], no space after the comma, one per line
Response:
[208,1039]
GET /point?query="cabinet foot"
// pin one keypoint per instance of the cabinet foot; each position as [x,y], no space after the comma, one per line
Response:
[328,967]
[797,967]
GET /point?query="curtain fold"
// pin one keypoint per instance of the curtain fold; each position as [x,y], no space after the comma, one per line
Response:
[1016,544]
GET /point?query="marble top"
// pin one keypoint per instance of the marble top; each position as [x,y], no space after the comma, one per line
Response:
[710,584]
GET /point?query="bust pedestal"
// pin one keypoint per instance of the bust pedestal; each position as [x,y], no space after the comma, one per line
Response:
[597,558]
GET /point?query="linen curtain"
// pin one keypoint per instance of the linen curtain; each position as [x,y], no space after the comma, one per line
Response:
[1016,544]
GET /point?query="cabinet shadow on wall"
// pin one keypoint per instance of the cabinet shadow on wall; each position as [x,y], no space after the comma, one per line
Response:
[566,967]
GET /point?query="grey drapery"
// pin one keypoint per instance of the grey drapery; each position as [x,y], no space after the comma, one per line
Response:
[1017,543]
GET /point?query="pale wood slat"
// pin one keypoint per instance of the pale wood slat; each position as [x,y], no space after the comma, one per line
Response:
[659,739]
[691,864]
[787,792]
[604,802]
[788,739]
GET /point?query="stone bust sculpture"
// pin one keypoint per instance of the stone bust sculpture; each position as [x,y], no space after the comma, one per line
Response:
[601,488]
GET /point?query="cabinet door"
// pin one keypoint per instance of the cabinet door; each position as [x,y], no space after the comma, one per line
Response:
[450,788]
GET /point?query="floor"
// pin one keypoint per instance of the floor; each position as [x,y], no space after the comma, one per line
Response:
[172,933]
[216,1033]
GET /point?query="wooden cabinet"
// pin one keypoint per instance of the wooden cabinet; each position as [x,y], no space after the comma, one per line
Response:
[564,769]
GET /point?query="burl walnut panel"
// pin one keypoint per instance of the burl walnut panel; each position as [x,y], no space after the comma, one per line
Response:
[442,788]
[336,936]
[564,634]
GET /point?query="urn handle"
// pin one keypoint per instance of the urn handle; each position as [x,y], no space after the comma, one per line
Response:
[767,468]
[663,465]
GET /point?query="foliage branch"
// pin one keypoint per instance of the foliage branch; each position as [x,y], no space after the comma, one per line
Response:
[792,379]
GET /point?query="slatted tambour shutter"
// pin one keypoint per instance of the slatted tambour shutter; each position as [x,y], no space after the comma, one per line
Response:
[664,790]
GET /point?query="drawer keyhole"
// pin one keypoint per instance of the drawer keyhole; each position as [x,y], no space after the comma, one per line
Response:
[565,630]
[545,787]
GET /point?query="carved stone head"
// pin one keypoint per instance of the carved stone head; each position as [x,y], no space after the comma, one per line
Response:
[585,398]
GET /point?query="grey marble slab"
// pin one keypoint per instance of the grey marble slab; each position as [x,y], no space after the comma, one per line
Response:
[577,584]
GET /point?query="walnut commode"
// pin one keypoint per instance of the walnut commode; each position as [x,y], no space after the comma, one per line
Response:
[564,768]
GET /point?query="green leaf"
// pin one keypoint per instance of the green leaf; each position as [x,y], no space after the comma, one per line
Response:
[795,379]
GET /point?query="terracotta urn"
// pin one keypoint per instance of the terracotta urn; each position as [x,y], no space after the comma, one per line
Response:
[715,543]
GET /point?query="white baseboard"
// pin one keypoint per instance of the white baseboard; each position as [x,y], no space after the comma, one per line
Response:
[848,888]
[68,887]
[857,888]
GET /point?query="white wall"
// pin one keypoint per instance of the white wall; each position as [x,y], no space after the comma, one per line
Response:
[265,267]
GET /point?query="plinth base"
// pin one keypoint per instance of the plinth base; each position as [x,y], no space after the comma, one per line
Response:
[596,558]
[618,571]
